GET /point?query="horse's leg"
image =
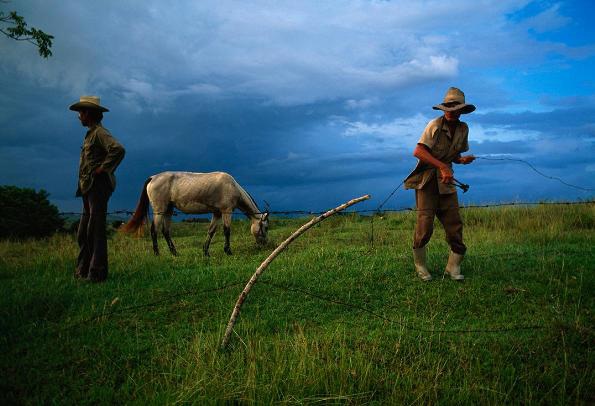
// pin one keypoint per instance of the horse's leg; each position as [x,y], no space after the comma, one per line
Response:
[211,233]
[165,229]
[154,224]
[227,232]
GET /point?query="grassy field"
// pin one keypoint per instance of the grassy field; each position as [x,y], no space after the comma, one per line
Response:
[338,318]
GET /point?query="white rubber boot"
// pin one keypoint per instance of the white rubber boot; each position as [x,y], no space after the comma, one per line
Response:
[419,259]
[453,267]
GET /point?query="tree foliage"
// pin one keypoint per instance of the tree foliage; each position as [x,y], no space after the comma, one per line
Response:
[25,213]
[14,26]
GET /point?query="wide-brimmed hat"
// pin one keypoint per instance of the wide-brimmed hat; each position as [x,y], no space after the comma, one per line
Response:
[454,100]
[88,102]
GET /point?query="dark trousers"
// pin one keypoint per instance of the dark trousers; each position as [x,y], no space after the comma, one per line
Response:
[92,238]
[432,204]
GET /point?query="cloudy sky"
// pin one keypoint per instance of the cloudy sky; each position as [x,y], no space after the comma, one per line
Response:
[309,103]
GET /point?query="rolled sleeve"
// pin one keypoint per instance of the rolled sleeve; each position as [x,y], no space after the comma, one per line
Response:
[428,136]
[465,146]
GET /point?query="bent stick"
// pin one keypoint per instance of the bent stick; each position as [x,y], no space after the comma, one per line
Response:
[236,310]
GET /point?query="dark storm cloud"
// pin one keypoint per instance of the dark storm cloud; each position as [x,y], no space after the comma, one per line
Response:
[578,121]
[304,103]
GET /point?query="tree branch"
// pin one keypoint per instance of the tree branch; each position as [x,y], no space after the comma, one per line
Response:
[277,251]
[19,32]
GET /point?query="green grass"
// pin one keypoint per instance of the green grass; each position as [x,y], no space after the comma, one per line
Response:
[338,318]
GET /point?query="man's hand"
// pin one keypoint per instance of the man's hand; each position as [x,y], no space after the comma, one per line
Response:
[446,174]
[98,170]
[422,153]
[466,159]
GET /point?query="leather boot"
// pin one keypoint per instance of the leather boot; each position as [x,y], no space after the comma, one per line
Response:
[419,259]
[453,267]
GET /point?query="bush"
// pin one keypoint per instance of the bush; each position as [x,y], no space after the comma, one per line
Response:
[72,227]
[25,213]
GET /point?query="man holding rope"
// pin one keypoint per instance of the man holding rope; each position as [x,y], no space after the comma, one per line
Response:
[441,144]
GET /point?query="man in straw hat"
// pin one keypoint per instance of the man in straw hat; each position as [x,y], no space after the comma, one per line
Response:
[441,144]
[100,156]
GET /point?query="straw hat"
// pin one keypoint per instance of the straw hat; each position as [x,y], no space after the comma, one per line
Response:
[454,100]
[88,102]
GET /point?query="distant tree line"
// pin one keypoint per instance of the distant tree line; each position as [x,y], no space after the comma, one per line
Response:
[26,213]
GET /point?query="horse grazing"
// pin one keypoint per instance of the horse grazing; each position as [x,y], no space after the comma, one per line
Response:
[194,193]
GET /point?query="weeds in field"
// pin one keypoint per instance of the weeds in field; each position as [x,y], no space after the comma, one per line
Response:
[340,317]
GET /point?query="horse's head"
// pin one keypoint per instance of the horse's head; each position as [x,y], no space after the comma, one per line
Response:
[260,228]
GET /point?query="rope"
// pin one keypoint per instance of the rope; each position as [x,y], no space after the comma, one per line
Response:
[536,171]
[388,319]
[473,206]
[139,306]
[378,209]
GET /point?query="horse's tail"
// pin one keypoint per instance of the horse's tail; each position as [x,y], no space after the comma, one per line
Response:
[140,213]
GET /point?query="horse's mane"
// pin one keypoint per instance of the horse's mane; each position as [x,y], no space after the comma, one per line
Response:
[249,197]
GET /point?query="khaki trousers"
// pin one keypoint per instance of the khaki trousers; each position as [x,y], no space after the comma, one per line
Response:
[430,204]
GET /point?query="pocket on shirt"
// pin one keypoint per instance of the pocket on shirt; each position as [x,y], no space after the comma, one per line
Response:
[440,149]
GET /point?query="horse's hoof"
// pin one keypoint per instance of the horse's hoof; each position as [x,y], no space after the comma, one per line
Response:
[227,251]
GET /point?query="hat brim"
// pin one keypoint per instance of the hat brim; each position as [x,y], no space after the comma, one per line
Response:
[85,106]
[461,108]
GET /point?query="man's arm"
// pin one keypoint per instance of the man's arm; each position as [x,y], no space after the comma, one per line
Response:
[114,153]
[422,153]
[465,160]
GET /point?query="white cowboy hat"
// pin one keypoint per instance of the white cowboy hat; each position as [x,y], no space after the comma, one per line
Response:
[88,102]
[454,100]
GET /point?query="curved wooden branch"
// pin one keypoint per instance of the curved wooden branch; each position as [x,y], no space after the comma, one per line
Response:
[236,310]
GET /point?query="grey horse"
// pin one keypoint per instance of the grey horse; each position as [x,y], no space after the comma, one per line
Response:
[195,193]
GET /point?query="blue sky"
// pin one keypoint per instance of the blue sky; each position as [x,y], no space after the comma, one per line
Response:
[307,104]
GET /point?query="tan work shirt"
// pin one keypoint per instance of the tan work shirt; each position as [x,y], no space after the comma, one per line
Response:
[443,146]
[99,149]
